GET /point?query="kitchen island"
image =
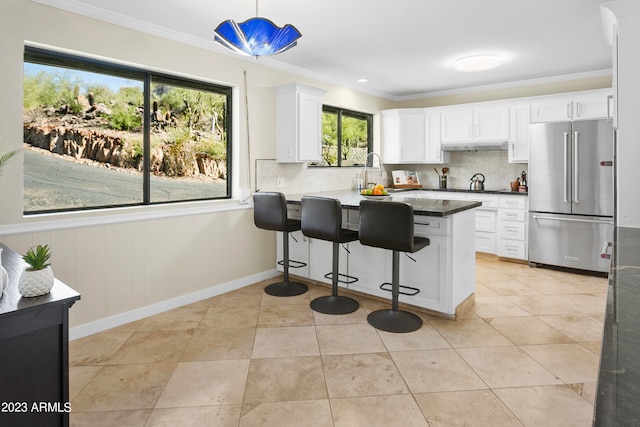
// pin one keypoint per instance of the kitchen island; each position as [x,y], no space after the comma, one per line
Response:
[444,271]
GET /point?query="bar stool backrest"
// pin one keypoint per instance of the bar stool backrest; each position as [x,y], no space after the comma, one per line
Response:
[387,225]
[270,211]
[321,218]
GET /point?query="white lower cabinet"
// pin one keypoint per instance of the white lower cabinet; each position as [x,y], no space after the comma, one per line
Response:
[426,270]
[370,266]
[512,227]
[298,253]
[298,247]
[486,230]
[321,252]
[444,271]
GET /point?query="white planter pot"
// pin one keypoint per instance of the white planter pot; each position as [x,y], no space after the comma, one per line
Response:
[35,283]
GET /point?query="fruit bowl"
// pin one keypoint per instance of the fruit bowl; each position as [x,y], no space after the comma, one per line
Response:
[380,197]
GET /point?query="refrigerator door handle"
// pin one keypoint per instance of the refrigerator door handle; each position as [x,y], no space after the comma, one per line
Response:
[595,221]
[566,175]
[576,164]
[604,253]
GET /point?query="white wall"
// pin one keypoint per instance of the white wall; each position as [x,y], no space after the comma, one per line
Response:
[123,261]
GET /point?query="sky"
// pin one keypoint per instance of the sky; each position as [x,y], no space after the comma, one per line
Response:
[85,78]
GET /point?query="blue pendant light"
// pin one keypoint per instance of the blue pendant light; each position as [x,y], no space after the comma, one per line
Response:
[256,36]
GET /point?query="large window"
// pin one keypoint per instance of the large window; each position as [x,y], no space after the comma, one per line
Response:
[103,135]
[346,137]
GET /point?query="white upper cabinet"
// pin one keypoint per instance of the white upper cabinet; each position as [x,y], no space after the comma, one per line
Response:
[456,125]
[413,136]
[434,147]
[519,120]
[491,123]
[574,106]
[299,123]
[408,136]
[479,124]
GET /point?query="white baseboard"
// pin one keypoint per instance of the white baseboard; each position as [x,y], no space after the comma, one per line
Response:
[96,326]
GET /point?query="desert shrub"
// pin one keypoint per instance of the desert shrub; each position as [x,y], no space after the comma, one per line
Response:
[124,117]
[213,149]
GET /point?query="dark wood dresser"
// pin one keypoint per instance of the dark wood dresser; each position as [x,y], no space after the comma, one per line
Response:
[34,361]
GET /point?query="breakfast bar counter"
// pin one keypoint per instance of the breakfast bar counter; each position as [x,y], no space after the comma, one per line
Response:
[421,206]
[444,271]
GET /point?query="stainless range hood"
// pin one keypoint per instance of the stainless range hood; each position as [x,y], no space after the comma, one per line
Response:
[474,146]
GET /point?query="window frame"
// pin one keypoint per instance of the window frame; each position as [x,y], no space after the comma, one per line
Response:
[352,113]
[54,58]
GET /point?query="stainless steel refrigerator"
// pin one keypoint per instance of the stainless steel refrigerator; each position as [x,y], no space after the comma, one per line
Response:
[571,194]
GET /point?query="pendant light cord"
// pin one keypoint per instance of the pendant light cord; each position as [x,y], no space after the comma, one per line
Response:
[246,111]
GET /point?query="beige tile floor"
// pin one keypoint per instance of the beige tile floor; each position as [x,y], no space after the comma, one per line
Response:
[527,354]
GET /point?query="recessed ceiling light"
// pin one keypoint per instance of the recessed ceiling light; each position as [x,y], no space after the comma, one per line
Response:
[475,63]
[362,80]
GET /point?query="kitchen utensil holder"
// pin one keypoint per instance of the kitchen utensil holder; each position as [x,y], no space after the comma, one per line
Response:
[443,182]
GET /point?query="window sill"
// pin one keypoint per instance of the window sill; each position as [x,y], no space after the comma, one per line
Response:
[67,220]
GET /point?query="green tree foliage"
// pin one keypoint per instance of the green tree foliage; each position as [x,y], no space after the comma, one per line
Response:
[329,138]
[199,110]
[354,134]
[130,95]
[49,90]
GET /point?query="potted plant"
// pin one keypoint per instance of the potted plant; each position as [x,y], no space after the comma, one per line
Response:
[37,279]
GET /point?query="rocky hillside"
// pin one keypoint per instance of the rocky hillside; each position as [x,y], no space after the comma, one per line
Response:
[87,137]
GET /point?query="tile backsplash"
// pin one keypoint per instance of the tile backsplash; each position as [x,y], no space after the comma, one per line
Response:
[298,177]
[494,165]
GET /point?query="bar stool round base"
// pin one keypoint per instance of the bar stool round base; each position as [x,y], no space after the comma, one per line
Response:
[394,321]
[331,304]
[286,289]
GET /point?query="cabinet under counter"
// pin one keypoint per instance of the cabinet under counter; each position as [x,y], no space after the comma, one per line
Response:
[444,271]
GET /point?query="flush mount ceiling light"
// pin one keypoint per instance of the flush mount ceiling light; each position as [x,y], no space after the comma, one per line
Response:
[475,63]
[256,36]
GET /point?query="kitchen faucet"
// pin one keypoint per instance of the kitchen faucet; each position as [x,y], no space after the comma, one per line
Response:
[366,162]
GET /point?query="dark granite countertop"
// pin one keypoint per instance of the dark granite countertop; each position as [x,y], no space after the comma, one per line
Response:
[619,380]
[487,191]
[426,207]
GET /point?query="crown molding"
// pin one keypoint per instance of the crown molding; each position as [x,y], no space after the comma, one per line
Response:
[100,14]
[510,85]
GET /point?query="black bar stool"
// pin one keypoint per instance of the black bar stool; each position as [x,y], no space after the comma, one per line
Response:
[322,219]
[270,213]
[390,225]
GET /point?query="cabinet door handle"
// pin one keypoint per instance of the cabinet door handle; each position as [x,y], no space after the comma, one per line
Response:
[609,102]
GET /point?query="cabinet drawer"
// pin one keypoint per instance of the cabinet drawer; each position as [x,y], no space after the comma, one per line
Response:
[487,201]
[512,215]
[430,225]
[485,220]
[513,202]
[512,249]
[485,242]
[512,230]
[294,211]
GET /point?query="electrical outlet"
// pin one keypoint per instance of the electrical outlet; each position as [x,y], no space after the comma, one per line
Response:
[280,182]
